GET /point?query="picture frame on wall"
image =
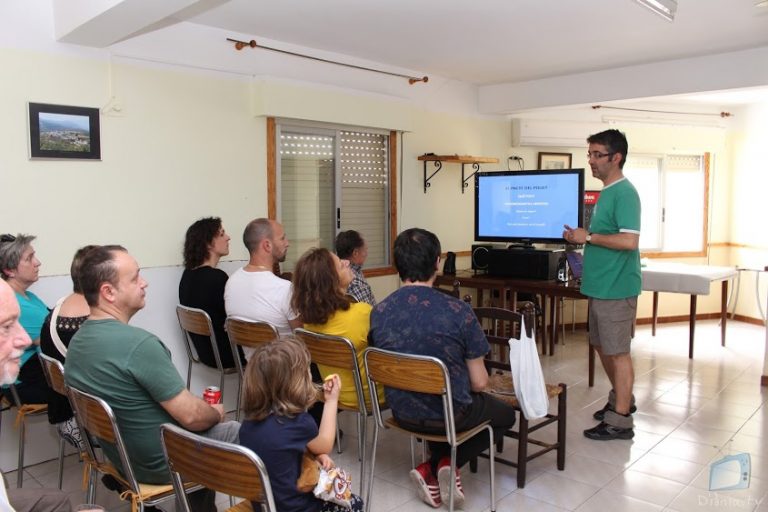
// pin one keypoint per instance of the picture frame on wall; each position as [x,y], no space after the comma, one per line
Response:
[60,131]
[555,160]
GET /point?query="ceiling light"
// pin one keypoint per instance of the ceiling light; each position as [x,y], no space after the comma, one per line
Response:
[664,8]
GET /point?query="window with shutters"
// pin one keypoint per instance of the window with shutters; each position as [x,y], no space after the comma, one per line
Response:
[329,179]
[674,195]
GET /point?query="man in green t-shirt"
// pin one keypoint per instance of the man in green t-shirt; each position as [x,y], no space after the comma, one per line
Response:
[131,369]
[612,280]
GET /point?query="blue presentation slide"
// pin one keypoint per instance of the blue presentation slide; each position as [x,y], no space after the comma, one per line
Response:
[528,206]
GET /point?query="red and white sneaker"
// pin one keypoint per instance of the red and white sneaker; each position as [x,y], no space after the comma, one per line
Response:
[445,481]
[426,484]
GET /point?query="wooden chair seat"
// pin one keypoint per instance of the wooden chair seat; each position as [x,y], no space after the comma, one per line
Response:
[501,386]
[460,436]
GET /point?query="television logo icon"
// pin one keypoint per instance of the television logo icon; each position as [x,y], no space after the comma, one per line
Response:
[730,473]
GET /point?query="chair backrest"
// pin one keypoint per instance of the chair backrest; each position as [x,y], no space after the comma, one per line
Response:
[455,291]
[54,373]
[223,467]
[407,372]
[248,334]
[337,352]
[500,325]
[197,321]
[95,417]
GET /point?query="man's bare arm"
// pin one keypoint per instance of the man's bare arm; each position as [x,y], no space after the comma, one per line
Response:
[478,375]
[193,413]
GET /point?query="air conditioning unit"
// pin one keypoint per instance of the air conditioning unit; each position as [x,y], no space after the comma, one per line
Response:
[545,132]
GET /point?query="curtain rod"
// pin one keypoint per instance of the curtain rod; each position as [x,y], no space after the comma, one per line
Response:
[239,45]
[721,114]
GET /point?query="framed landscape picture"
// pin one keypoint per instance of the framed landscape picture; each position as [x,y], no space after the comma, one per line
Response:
[554,161]
[59,131]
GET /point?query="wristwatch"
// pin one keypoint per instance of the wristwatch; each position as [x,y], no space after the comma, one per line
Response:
[588,239]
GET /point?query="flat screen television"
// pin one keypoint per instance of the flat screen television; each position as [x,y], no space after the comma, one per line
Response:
[527,207]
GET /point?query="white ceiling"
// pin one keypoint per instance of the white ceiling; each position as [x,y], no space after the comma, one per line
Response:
[510,55]
[498,41]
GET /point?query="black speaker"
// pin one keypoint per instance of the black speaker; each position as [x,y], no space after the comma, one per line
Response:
[449,266]
[528,264]
[480,253]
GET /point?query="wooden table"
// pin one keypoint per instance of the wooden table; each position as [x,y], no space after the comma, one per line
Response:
[550,290]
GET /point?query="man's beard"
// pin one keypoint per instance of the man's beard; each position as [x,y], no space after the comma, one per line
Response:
[8,375]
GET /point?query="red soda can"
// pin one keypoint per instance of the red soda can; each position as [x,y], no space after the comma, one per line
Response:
[212,395]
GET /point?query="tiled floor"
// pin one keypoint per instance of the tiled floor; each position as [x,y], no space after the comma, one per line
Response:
[690,413]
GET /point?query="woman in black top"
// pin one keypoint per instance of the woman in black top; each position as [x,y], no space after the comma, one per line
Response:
[202,285]
[67,316]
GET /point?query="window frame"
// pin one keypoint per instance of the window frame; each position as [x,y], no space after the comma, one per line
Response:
[272,185]
[706,163]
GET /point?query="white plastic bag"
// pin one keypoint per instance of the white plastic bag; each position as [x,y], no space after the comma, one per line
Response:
[530,389]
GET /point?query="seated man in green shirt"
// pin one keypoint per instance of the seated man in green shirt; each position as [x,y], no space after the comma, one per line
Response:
[131,369]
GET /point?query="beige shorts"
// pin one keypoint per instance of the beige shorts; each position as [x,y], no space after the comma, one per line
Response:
[612,324]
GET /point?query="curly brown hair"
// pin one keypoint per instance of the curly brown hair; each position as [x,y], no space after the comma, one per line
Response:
[278,381]
[198,239]
[317,293]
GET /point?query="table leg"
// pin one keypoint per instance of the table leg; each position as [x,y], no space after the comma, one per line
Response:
[655,312]
[723,311]
[553,318]
[591,364]
[692,328]
[479,297]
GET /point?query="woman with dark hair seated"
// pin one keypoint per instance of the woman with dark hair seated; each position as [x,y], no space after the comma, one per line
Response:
[58,328]
[20,268]
[202,285]
[320,281]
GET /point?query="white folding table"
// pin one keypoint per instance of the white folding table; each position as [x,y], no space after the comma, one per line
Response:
[694,280]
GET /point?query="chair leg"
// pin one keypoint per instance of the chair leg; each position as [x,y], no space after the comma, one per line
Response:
[451,488]
[492,469]
[189,373]
[91,492]
[369,492]
[361,446]
[522,450]
[61,461]
[20,471]
[562,404]
[221,386]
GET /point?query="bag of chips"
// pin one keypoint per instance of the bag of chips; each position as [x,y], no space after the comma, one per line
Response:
[334,485]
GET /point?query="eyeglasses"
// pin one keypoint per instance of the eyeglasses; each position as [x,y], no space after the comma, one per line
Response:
[597,155]
[7,238]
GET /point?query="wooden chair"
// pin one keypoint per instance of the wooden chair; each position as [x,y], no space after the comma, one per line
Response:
[197,321]
[23,412]
[248,334]
[97,421]
[339,352]
[223,467]
[500,325]
[419,374]
[54,375]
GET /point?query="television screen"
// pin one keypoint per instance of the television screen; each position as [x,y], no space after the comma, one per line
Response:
[528,206]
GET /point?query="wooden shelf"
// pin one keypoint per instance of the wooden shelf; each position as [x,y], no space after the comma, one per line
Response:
[438,160]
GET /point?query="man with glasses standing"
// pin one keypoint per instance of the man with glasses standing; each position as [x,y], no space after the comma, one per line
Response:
[612,279]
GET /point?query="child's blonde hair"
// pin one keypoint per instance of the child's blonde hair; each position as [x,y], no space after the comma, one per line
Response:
[277,380]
